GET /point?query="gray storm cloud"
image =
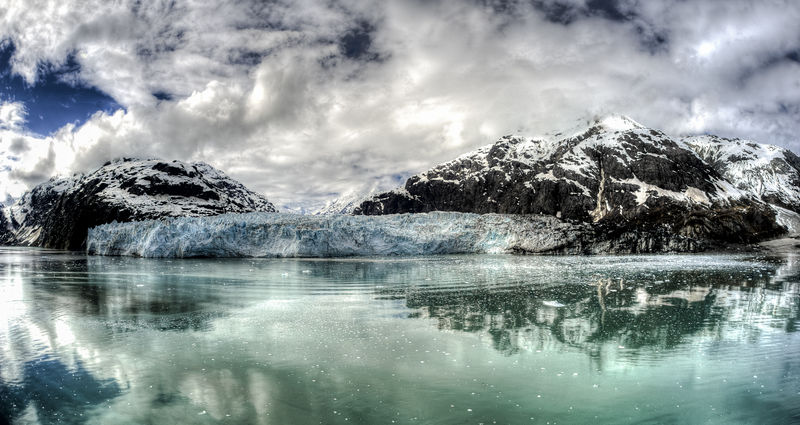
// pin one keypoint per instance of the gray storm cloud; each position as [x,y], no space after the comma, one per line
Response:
[304,100]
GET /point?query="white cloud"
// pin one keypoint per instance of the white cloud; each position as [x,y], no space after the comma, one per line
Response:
[12,115]
[263,91]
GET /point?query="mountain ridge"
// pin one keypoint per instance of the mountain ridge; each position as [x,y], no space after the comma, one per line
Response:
[622,187]
[614,173]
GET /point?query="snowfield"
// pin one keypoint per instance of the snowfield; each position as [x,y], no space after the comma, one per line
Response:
[289,235]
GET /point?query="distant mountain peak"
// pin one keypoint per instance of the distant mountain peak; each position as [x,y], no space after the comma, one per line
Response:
[608,123]
[618,122]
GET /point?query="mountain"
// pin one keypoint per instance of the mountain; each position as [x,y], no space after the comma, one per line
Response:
[5,228]
[622,177]
[344,204]
[766,172]
[59,212]
[348,200]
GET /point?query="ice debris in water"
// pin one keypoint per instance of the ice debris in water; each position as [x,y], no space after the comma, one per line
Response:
[289,235]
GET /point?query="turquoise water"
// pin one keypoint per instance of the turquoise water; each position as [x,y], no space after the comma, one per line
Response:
[428,340]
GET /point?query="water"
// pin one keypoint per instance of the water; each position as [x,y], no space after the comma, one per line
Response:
[430,340]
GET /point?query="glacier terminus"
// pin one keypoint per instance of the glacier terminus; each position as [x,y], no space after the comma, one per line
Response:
[289,235]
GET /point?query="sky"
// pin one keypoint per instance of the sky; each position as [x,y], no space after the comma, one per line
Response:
[307,100]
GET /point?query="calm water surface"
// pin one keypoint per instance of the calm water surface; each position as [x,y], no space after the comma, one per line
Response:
[433,340]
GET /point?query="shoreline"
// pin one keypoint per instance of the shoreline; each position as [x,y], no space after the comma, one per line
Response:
[784,245]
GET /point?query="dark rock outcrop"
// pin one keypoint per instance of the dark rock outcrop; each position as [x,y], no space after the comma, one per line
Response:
[58,213]
[6,236]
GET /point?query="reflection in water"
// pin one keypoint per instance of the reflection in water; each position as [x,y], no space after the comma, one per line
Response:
[51,393]
[643,309]
[660,339]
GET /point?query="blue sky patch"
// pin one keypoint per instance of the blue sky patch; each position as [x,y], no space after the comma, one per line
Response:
[54,99]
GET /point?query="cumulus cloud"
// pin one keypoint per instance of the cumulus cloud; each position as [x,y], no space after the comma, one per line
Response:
[12,115]
[303,100]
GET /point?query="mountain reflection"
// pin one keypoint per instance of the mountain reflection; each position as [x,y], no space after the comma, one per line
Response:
[61,312]
[126,340]
[52,393]
[640,310]
[124,292]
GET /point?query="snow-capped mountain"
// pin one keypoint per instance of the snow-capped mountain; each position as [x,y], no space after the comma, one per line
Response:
[766,172]
[347,201]
[617,173]
[59,212]
[344,204]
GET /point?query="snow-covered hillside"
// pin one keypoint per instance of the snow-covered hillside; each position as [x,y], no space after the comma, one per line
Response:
[613,166]
[58,213]
[614,170]
[347,201]
[766,172]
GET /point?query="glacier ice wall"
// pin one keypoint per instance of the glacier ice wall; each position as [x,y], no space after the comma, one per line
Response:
[288,235]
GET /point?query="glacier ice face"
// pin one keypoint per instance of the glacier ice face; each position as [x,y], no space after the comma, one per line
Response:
[289,235]
[788,219]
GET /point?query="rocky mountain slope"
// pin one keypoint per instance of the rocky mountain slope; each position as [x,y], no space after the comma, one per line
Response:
[58,213]
[766,172]
[626,179]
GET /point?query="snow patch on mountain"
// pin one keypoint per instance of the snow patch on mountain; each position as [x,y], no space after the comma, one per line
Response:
[344,204]
[619,123]
[607,123]
[645,191]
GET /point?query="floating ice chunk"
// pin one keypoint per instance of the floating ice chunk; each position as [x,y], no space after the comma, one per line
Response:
[555,304]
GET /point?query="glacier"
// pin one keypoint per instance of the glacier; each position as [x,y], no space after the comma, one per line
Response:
[289,235]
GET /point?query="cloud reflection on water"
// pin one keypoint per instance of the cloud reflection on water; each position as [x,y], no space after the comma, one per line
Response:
[258,341]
